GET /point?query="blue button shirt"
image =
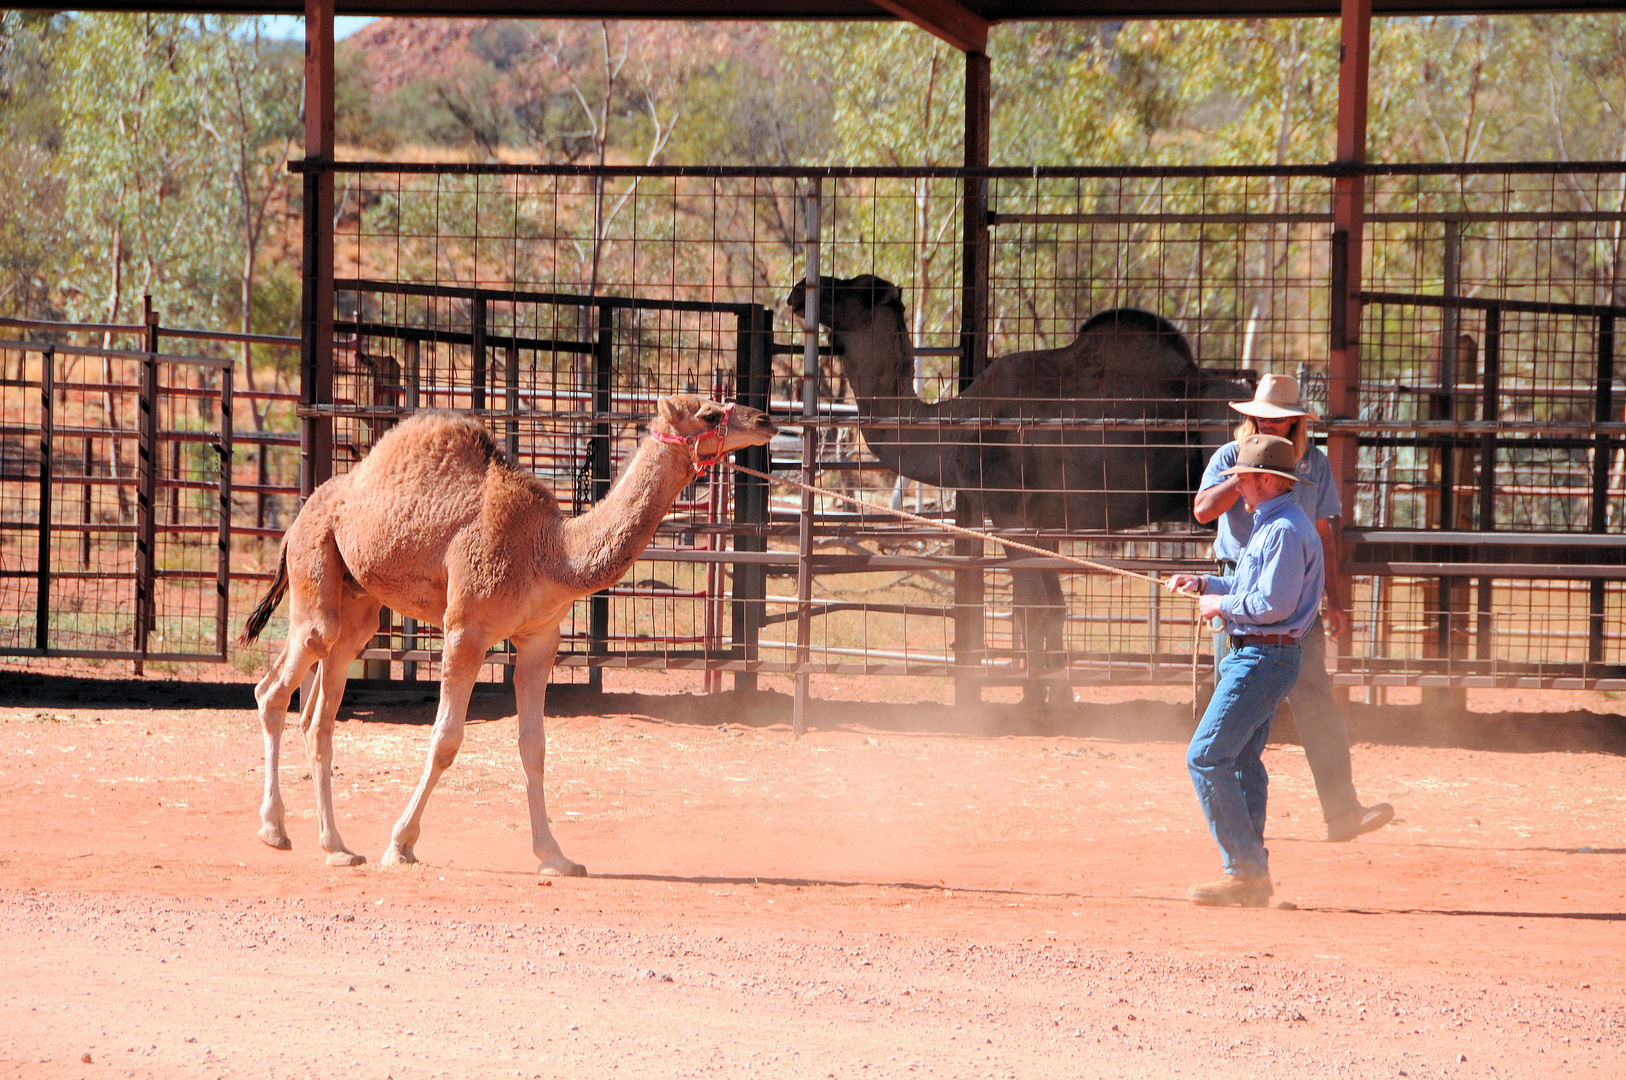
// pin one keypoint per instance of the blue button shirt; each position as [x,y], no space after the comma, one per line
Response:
[1279,575]
[1315,492]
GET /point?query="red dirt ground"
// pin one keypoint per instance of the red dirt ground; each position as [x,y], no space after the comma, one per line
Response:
[902,892]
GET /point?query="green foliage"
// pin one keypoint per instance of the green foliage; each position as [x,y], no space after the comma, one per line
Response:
[31,200]
[164,171]
[772,109]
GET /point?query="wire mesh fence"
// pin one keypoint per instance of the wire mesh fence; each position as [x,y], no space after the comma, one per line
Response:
[1046,353]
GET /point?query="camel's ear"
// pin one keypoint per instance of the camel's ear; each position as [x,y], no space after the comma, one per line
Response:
[710,413]
[668,411]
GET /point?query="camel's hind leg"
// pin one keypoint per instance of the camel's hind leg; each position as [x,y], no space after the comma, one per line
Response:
[358,622]
[1040,610]
[272,695]
[316,595]
[461,656]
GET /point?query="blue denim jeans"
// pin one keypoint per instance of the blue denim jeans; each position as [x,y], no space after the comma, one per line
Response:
[1320,720]
[1226,753]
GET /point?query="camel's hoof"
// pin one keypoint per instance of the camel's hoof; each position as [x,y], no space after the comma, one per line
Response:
[345,858]
[561,867]
[397,856]
[271,836]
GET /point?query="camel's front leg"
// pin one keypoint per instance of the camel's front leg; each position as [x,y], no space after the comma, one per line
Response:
[533,661]
[461,658]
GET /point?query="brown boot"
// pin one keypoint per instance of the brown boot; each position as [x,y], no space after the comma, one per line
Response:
[1232,889]
[1348,826]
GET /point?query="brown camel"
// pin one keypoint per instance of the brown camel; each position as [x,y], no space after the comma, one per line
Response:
[1125,364]
[439,525]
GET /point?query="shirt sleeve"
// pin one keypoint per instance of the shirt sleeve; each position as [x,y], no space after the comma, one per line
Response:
[1223,459]
[1325,497]
[1275,597]
[1214,585]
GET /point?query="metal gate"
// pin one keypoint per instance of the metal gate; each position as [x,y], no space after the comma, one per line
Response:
[115,521]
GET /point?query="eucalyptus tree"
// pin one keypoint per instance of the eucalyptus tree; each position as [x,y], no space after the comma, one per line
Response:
[32,235]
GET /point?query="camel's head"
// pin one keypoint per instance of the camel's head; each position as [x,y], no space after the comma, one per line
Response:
[699,421]
[848,302]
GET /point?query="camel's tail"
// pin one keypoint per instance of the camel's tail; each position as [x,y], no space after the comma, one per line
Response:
[262,614]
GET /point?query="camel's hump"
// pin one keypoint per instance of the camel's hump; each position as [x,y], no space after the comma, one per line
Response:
[434,441]
[443,453]
[1102,363]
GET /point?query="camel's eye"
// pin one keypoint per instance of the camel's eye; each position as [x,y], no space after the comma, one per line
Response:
[711,414]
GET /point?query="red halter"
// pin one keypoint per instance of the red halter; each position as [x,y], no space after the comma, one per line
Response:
[692,442]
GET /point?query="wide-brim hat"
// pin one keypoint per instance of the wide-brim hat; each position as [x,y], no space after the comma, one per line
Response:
[1266,454]
[1276,399]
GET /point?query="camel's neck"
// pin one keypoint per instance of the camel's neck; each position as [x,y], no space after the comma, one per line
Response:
[601,544]
[879,362]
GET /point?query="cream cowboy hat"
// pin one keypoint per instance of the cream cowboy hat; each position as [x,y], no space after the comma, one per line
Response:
[1266,454]
[1277,398]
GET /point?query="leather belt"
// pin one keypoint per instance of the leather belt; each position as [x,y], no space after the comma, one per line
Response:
[1239,640]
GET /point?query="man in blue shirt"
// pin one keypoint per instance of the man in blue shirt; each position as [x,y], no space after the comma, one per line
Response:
[1276,410]
[1266,608]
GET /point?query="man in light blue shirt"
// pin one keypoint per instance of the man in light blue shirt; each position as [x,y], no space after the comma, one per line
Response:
[1276,410]
[1266,608]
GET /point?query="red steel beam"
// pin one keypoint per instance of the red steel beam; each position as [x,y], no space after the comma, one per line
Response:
[316,318]
[1349,218]
[954,23]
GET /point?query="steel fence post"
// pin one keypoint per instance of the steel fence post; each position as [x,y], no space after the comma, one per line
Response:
[1490,411]
[1603,412]
[970,585]
[147,488]
[223,555]
[598,605]
[1348,236]
[316,293]
[810,457]
[477,354]
[754,330]
[42,595]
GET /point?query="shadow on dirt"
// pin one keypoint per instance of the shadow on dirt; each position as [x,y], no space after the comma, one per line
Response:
[1134,721]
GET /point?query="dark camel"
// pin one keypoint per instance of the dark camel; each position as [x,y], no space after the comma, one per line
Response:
[1125,364]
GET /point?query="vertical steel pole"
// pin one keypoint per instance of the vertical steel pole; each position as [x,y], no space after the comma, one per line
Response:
[754,333]
[223,556]
[42,589]
[510,378]
[1490,411]
[969,586]
[477,350]
[810,458]
[85,504]
[598,606]
[1450,593]
[1603,411]
[147,489]
[1349,223]
[316,293]
[1445,377]
[409,627]
[174,481]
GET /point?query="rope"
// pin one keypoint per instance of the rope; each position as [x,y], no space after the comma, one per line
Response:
[973,534]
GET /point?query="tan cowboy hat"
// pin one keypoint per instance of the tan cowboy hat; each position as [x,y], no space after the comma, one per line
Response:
[1267,454]
[1276,398]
